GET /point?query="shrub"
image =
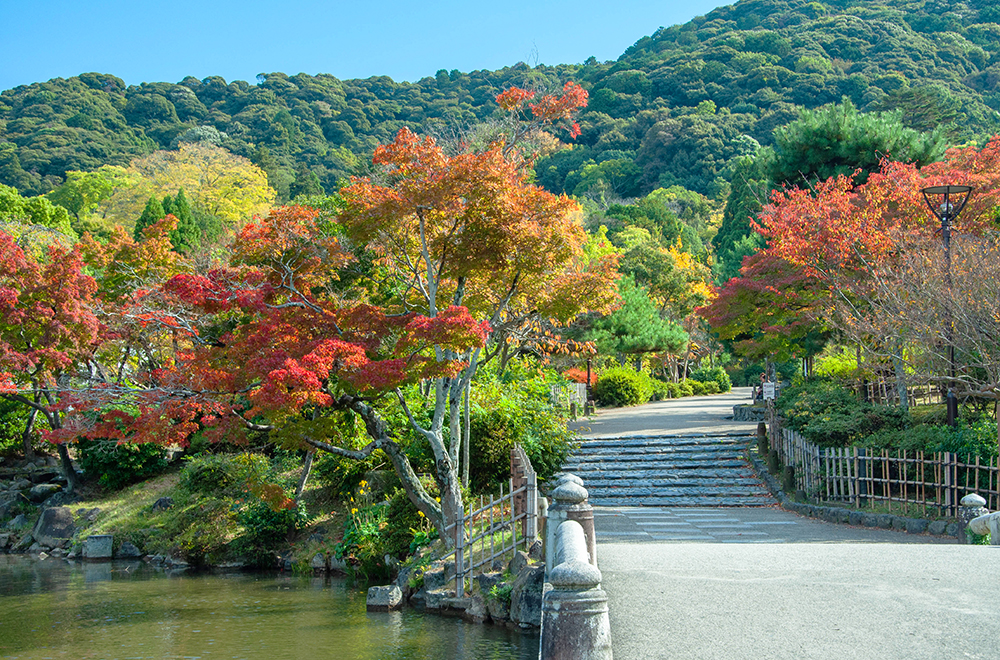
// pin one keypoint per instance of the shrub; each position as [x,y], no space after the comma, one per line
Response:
[578,375]
[661,390]
[363,545]
[711,387]
[715,375]
[621,386]
[514,409]
[674,391]
[265,531]
[115,465]
[684,388]
[697,387]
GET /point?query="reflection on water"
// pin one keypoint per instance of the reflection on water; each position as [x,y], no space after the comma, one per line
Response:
[126,611]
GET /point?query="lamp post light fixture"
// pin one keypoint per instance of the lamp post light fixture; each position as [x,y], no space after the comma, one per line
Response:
[946,202]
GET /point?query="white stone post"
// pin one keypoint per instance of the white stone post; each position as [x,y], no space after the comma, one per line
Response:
[575,623]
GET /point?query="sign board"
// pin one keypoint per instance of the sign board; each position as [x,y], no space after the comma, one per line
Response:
[768,391]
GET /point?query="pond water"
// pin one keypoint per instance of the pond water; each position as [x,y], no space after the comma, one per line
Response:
[127,611]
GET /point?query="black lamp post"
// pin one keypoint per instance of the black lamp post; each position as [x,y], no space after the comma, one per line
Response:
[946,202]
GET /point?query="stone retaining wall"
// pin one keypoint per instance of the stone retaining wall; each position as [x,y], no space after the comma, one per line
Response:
[747,412]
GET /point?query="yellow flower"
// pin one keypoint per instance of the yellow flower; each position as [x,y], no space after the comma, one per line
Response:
[421,514]
[353,511]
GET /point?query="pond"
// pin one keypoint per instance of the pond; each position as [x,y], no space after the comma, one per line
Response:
[128,611]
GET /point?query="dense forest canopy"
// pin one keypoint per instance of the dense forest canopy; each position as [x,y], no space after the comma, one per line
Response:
[675,109]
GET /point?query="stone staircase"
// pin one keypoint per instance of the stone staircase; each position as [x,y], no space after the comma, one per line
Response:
[689,470]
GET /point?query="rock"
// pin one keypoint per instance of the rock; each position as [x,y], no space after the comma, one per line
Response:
[5,508]
[384,599]
[98,546]
[20,484]
[61,498]
[338,565]
[938,527]
[487,581]
[128,551]
[19,522]
[869,520]
[318,562]
[526,597]
[54,527]
[856,518]
[898,524]
[434,598]
[163,504]
[885,520]
[434,576]
[4,541]
[953,529]
[499,609]
[916,526]
[35,548]
[536,552]
[518,563]
[476,610]
[42,492]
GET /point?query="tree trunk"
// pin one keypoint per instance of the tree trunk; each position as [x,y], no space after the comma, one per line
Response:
[306,469]
[67,467]
[900,373]
[29,452]
[466,434]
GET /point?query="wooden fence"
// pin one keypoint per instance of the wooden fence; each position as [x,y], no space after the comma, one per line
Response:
[497,526]
[869,476]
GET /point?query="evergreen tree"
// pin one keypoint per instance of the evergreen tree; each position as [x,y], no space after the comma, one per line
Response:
[153,212]
[306,184]
[746,198]
[187,235]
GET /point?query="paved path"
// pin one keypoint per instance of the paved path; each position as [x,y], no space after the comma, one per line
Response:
[721,583]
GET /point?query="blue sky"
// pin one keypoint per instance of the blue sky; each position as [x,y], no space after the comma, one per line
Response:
[164,42]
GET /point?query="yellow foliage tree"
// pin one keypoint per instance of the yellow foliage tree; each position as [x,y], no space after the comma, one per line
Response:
[221,183]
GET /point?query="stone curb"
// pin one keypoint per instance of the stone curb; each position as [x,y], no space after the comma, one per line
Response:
[842,516]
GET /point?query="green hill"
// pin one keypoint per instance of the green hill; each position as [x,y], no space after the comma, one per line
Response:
[674,109]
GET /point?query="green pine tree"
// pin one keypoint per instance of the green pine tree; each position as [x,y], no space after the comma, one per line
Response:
[187,235]
[153,212]
[306,184]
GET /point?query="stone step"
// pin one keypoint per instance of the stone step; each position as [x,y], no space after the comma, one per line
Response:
[682,501]
[614,466]
[663,450]
[594,476]
[668,439]
[684,470]
[674,491]
[669,482]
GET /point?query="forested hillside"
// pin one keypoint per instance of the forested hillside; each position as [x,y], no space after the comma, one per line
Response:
[673,110]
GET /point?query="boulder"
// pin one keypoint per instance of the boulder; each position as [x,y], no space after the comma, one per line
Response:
[19,522]
[499,609]
[487,581]
[318,563]
[916,526]
[42,492]
[526,597]
[518,563]
[476,610]
[128,551]
[55,527]
[4,541]
[163,504]
[537,551]
[434,576]
[434,599]
[938,527]
[98,546]
[384,599]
